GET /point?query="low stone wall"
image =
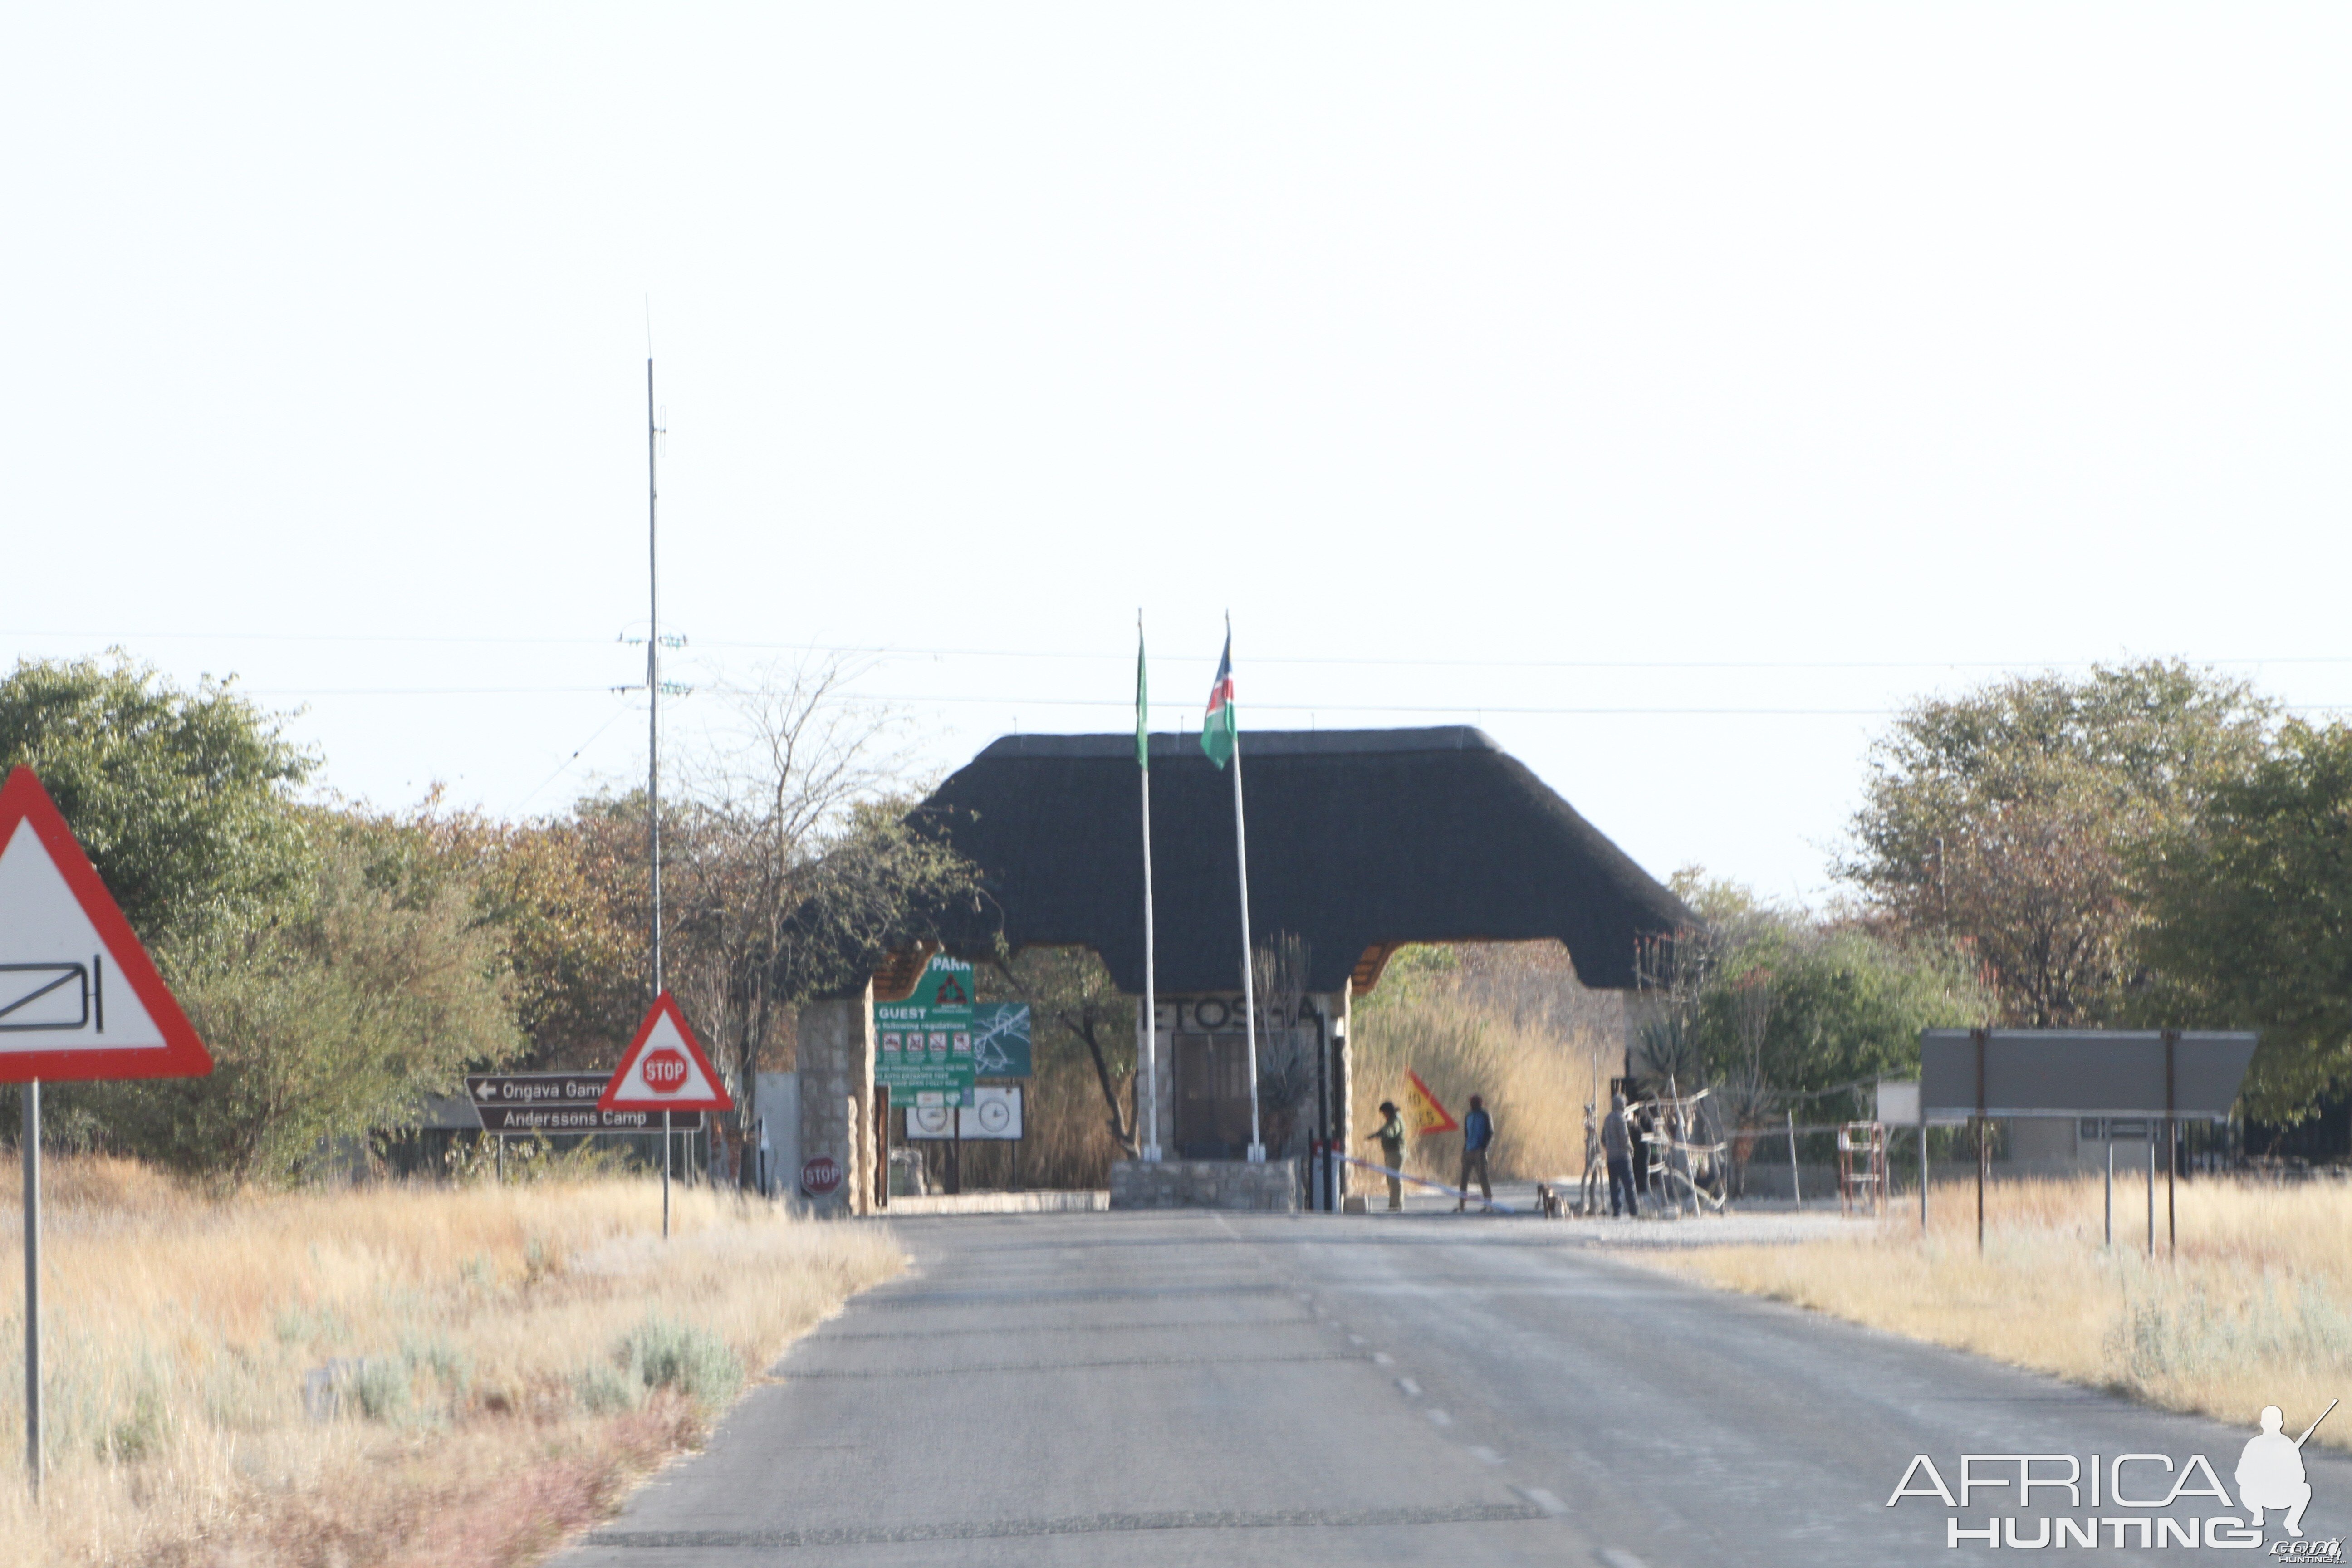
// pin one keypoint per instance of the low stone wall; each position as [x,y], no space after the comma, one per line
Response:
[1205,1184]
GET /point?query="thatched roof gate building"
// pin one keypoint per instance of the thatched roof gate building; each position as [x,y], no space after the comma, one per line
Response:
[1361,841]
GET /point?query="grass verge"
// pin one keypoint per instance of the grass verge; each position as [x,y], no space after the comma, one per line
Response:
[387,1375]
[2255,1309]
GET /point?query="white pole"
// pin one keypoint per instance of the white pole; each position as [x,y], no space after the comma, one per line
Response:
[1796,1182]
[1249,985]
[652,689]
[31,1139]
[1149,1145]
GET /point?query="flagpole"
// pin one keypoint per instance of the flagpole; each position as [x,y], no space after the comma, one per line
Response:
[1249,985]
[1147,1102]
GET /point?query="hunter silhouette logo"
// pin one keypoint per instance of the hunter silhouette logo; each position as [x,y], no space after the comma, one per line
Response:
[664,1071]
[2129,1499]
[2270,1472]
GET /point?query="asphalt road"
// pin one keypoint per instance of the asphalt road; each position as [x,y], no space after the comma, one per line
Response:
[1205,1388]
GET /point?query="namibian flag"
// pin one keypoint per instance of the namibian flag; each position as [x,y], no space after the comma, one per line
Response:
[1218,727]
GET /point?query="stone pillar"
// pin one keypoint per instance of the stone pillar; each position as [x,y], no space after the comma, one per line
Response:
[837,1069]
[1339,1008]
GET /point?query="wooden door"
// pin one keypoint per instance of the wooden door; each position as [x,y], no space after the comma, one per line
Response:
[1213,1107]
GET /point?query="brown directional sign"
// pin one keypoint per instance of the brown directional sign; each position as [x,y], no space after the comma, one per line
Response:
[558,1102]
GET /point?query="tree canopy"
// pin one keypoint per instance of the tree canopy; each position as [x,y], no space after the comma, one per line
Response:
[182,799]
[2249,918]
[2015,818]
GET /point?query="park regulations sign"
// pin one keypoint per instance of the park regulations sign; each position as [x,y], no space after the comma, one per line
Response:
[80,998]
[1000,1039]
[923,1051]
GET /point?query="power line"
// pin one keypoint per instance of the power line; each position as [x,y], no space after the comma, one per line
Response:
[1125,703]
[880,651]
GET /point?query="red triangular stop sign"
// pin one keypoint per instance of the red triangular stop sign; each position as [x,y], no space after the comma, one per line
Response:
[78,996]
[664,1068]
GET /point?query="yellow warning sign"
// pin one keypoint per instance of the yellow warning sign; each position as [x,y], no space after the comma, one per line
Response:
[1422,1113]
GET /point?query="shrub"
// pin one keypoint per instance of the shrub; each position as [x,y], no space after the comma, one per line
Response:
[661,1354]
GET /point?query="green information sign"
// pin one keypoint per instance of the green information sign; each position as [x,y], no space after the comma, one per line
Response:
[1000,1039]
[924,1055]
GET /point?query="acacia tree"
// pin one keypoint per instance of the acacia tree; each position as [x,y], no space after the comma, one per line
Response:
[2250,919]
[336,963]
[331,1013]
[796,870]
[1073,1001]
[1775,1008]
[184,800]
[1286,1069]
[2013,819]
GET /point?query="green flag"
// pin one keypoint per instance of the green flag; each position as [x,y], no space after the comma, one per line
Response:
[1218,726]
[1142,705]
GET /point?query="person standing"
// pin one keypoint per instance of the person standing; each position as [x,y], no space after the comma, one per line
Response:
[1478,1136]
[1390,1134]
[1617,1147]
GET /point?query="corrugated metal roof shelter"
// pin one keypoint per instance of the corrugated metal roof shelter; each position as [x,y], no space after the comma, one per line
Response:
[1361,841]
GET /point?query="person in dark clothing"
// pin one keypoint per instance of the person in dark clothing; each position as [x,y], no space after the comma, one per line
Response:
[1390,1132]
[1478,1136]
[1617,1144]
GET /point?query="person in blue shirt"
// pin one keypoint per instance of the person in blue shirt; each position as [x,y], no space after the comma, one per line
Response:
[1478,1136]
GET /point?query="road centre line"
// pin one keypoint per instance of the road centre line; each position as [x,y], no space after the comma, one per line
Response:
[1000,1331]
[912,1299]
[1069,1366]
[1079,1524]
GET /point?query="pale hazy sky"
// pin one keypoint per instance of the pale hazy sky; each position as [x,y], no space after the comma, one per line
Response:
[1673,390]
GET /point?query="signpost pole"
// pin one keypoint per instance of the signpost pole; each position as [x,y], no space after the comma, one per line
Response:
[666,1143]
[2107,1128]
[1923,1160]
[31,1137]
[2151,1189]
[2171,1150]
[1980,1035]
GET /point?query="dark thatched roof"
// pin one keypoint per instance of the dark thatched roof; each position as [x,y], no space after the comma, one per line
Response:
[1359,840]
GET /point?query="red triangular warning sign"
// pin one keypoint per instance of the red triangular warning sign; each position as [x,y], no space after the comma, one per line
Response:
[1424,1114]
[664,1068]
[78,996]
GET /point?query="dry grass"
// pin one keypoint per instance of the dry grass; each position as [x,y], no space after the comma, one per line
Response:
[527,1351]
[2256,1310]
[1466,1034]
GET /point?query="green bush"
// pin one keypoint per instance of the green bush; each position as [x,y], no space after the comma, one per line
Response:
[660,1354]
[606,1391]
